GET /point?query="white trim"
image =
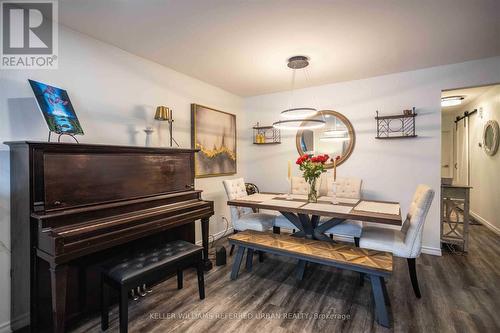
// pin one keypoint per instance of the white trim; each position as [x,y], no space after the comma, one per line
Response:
[15,324]
[435,251]
[487,224]
[216,236]
[5,327]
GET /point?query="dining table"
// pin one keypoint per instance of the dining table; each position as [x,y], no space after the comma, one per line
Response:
[313,219]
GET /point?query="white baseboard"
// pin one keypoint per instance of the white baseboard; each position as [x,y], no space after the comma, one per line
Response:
[487,224]
[5,327]
[435,251]
[217,235]
[15,324]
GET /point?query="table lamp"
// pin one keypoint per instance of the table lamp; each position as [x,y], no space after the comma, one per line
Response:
[163,113]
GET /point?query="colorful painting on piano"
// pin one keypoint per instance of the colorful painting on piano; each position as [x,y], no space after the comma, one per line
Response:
[214,134]
[56,109]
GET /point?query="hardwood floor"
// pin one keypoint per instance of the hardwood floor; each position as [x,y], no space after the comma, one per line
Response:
[460,293]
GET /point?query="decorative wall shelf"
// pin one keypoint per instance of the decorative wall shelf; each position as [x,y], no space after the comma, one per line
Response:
[265,135]
[396,126]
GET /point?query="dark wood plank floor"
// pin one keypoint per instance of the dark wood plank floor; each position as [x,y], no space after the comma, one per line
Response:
[460,294]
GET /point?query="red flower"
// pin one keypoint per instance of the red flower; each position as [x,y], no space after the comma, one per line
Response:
[302,159]
[337,158]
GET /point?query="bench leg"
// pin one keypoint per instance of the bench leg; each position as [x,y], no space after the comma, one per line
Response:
[180,278]
[249,260]
[301,267]
[237,262]
[123,310]
[201,280]
[261,256]
[104,305]
[381,313]
[361,275]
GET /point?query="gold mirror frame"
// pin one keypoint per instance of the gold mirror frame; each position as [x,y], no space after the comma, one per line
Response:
[350,130]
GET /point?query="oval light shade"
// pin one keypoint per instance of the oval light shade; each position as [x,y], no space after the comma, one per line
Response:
[299,113]
[296,124]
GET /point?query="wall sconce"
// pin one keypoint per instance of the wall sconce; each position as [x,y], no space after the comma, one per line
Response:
[163,113]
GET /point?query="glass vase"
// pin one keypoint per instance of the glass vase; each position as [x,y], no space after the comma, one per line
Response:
[312,196]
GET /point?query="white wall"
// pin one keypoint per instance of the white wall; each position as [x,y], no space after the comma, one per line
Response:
[114,94]
[390,169]
[484,169]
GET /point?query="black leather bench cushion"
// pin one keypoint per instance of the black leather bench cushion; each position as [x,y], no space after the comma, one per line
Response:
[140,263]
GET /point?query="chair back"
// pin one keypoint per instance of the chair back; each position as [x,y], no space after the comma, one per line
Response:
[413,226]
[299,185]
[345,187]
[235,188]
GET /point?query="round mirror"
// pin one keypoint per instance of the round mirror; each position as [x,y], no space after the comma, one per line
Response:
[491,137]
[336,138]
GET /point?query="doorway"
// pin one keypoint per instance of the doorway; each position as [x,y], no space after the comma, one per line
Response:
[470,176]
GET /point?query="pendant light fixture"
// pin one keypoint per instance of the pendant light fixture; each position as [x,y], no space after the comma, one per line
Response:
[298,117]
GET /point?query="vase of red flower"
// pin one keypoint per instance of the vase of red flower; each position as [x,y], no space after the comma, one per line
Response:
[312,167]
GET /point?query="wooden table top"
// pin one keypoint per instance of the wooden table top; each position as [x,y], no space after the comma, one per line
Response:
[298,205]
[329,251]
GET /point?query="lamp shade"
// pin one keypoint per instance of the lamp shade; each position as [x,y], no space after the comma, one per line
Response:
[163,113]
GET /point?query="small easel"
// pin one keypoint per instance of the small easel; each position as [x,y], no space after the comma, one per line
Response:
[61,134]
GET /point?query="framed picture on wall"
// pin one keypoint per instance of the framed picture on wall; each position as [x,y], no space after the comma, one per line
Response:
[213,132]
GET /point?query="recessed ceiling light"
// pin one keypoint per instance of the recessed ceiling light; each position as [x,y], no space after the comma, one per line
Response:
[451,100]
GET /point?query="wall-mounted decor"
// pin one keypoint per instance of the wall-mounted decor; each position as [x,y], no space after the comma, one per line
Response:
[263,135]
[336,138]
[400,126]
[56,107]
[491,136]
[214,134]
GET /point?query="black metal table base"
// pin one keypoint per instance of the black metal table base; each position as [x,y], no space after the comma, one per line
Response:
[310,227]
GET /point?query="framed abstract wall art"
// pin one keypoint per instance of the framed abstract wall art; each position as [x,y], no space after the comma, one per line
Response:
[56,107]
[213,132]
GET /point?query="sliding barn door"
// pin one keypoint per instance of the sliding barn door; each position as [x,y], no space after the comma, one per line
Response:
[461,175]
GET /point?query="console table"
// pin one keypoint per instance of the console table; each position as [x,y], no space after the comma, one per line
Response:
[455,215]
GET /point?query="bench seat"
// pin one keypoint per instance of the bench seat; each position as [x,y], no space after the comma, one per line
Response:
[376,264]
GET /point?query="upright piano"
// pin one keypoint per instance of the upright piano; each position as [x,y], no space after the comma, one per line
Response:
[73,206]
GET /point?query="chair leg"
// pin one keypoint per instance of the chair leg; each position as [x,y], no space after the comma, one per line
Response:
[413,276]
[201,279]
[276,230]
[180,276]
[356,241]
[123,307]
[104,305]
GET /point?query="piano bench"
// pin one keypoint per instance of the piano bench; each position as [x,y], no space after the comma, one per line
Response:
[146,267]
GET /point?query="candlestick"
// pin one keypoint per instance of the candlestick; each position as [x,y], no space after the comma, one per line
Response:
[335,170]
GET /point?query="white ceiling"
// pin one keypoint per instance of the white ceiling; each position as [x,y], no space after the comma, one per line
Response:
[242,45]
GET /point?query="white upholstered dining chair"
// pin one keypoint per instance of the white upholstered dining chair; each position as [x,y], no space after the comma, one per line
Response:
[407,242]
[298,186]
[244,218]
[349,188]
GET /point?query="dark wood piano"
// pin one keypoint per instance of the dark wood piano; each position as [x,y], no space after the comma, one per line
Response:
[73,206]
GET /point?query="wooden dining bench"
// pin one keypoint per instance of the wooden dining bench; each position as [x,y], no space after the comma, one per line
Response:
[376,264]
